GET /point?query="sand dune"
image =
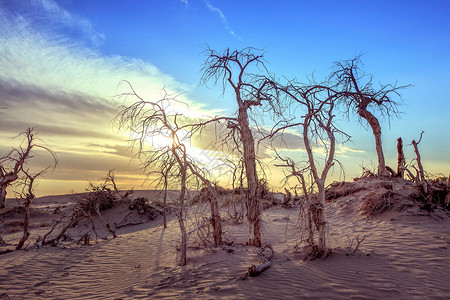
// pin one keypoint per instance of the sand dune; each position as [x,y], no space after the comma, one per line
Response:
[404,256]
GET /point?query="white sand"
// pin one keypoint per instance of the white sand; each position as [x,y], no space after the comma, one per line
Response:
[403,257]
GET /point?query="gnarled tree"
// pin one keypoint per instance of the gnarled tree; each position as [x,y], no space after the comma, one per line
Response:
[12,164]
[236,69]
[316,125]
[360,95]
[150,121]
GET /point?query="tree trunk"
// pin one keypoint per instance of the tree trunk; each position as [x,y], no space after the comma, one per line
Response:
[253,205]
[211,195]
[181,214]
[310,239]
[183,242]
[419,164]
[376,129]
[321,219]
[2,196]
[401,158]
[165,200]
[5,181]
[26,222]
[215,221]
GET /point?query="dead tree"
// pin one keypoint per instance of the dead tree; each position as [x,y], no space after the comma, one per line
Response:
[400,158]
[214,204]
[148,120]
[12,164]
[110,179]
[306,206]
[235,169]
[317,102]
[362,97]
[421,172]
[235,69]
[27,196]
[165,172]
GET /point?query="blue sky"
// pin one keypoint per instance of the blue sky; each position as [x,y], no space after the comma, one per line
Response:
[61,61]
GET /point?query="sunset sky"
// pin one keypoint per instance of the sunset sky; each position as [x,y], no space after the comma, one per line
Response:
[61,63]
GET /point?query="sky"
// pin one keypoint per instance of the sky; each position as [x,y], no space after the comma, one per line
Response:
[61,63]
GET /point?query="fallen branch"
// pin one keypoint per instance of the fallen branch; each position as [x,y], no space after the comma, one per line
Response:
[358,241]
[258,269]
[6,251]
[55,223]
[123,224]
[55,240]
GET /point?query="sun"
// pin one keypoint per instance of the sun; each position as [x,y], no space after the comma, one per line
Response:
[159,141]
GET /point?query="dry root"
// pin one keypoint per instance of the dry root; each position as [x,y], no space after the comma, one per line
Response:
[377,202]
[341,189]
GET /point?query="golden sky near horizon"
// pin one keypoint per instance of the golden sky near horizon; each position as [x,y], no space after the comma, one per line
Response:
[61,65]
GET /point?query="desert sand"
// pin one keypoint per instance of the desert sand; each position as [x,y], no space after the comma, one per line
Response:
[405,255]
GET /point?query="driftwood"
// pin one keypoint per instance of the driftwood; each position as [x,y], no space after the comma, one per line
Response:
[55,240]
[258,269]
[55,223]
[123,223]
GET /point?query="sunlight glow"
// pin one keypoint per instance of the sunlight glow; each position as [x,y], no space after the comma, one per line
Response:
[159,141]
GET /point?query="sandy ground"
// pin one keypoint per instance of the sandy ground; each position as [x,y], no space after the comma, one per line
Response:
[405,255]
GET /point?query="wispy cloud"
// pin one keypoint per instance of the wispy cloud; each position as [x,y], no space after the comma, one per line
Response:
[222,17]
[220,13]
[52,78]
[49,17]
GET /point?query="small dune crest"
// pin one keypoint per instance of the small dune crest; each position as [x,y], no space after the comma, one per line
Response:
[386,197]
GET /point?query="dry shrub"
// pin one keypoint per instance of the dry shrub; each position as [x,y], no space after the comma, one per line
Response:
[12,226]
[377,202]
[204,235]
[96,196]
[439,193]
[143,206]
[341,189]
[201,197]
[19,211]
[235,205]
[267,197]
[312,252]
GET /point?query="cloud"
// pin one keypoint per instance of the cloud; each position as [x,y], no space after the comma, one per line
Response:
[53,61]
[119,150]
[15,94]
[344,151]
[222,17]
[48,16]
[219,12]
[13,127]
